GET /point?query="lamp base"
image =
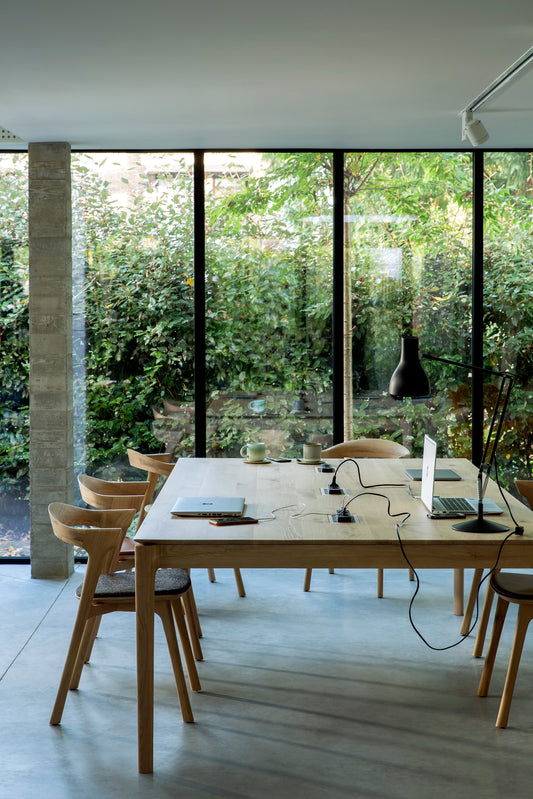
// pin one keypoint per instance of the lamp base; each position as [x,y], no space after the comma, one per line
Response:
[480,526]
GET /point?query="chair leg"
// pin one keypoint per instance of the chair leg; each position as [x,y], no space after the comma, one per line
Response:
[458,591]
[68,668]
[194,680]
[193,623]
[525,614]
[84,652]
[380,583]
[471,603]
[483,623]
[240,584]
[238,580]
[307,579]
[92,639]
[486,674]
[163,609]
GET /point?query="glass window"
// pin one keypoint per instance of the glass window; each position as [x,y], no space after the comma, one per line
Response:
[134,347]
[408,237]
[268,301]
[268,313]
[14,364]
[508,301]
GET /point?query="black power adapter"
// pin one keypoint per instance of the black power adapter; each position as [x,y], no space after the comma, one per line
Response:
[333,488]
[343,516]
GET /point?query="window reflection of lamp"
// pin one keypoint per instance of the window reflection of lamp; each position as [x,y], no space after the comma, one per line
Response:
[410,380]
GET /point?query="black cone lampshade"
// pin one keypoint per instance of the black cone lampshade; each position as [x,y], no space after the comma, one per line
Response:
[409,378]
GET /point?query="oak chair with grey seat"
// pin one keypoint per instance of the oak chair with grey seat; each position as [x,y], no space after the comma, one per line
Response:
[156,466]
[525,490]
[362,448]
[111,494]
[515,588]
[100,534]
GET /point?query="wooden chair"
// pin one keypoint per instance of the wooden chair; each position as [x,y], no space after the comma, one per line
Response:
[363,448]
[516,588]
[106,495]
[525,490]
[109,494]
[100,534]
[367,448]
[156,466]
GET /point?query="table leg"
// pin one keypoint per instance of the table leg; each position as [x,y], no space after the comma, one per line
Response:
[458,591]
[471,604]
[145,567]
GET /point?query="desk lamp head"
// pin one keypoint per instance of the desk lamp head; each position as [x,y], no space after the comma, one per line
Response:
[409,378]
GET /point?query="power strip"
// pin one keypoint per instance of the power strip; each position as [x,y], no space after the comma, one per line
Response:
[340,517]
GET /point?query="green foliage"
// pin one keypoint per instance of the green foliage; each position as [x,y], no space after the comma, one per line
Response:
[138,305]
[14,368]
[268,295]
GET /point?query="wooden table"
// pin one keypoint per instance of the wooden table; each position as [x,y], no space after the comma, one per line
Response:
[283,539]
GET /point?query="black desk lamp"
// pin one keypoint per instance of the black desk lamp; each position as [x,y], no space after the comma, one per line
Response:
[410,380]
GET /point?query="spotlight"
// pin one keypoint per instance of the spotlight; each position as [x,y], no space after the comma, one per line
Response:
[473,129]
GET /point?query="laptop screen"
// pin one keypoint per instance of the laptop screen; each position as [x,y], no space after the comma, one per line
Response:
[429,459]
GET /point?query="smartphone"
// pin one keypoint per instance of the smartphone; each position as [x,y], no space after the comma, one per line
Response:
[444,515]
[227,520]
[279,460]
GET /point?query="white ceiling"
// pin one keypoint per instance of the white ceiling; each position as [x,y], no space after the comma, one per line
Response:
[167,74]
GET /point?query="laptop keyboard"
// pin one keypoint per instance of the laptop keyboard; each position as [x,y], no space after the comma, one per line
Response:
[455,504]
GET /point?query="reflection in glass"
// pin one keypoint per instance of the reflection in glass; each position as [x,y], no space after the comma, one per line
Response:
[134,272]
[14,358]
[407,272]
[268,300]
[508,306]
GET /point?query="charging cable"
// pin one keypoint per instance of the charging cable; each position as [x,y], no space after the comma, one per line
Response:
[344,515]
[334,487]
[417,580]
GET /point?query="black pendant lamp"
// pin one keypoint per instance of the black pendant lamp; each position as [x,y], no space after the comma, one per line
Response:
[409,378]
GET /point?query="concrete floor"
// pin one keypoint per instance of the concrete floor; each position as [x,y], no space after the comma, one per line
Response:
[326,694]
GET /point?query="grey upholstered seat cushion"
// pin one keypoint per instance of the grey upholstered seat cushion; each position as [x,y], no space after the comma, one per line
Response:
[122,584]
[513,585]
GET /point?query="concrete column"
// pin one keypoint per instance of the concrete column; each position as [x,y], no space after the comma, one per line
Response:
[51,406]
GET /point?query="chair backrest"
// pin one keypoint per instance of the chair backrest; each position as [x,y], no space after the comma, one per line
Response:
[152,464]
[155,466]
[106,494]
[525,489]
[98,532]
[367,448]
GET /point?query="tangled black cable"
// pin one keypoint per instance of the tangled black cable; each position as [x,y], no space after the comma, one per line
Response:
[518,528]
[377,485]
[417,579]
[517,531]
[404,513]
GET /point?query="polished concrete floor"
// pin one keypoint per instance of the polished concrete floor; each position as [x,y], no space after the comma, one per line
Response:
[326,694]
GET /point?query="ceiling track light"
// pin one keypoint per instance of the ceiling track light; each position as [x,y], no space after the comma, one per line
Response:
[474,130]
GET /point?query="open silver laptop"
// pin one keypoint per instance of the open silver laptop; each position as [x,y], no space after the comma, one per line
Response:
[208,506]
[467,505]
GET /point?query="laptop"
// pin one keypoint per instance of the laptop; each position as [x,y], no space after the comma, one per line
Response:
[208,506]
[467,505]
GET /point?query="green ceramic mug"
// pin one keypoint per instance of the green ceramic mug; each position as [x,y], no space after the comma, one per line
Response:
[255,452]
